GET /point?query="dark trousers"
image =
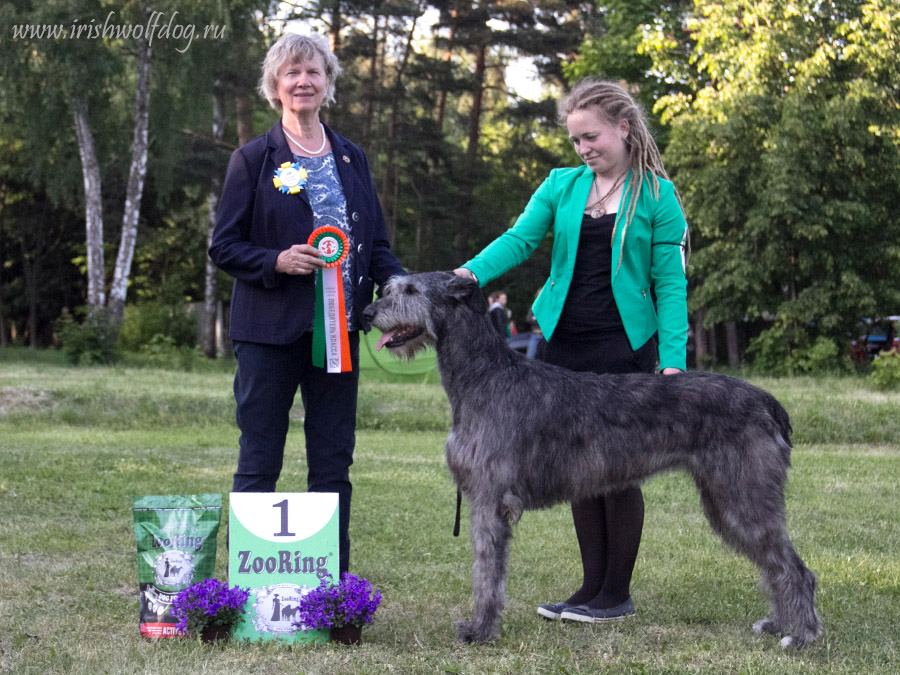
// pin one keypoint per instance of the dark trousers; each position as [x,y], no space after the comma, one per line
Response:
[265,384]
[609,526]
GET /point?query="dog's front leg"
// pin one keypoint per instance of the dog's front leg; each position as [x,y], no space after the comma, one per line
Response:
[491,533]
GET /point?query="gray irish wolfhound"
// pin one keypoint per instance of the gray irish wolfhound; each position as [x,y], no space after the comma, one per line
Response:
[527,435]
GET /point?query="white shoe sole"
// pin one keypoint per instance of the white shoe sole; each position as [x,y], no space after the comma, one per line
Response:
[547,614]
[589,619]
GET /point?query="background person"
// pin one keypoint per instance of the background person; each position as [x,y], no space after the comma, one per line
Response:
[497,312]
[534,329]
[260,239]
[619,240]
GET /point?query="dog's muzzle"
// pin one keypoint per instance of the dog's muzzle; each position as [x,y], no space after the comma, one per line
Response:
[394,337]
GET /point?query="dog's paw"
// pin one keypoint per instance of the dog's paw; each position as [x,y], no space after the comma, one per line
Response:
[472,633]
[464,632]
[801,638]
[766,626]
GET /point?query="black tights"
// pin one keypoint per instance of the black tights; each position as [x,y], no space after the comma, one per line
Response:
[609,534]
[608,526]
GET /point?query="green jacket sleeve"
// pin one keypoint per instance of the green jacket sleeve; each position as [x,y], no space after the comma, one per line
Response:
[667,272]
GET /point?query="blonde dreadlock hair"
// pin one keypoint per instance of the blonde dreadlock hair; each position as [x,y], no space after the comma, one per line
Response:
[615,104]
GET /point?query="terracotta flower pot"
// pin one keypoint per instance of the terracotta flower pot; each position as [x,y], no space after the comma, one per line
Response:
[214,633]
[347,635]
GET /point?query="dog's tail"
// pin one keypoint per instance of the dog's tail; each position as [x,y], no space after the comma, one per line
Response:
[779,414]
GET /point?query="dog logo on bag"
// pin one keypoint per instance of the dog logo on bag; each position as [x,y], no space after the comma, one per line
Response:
[174,568]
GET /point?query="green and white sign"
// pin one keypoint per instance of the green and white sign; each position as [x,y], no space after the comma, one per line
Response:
[281,544]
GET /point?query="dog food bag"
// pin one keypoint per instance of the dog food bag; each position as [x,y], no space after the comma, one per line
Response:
[176,547]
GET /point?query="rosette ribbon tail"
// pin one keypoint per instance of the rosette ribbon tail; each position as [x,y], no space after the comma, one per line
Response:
[331,341]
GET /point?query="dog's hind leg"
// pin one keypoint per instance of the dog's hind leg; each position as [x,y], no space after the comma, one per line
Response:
[751,520]
[791,586]
[491,533]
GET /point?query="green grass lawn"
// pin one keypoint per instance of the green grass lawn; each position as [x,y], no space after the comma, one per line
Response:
[77,443]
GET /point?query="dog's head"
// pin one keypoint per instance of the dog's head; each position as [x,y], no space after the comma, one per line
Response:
[414,309]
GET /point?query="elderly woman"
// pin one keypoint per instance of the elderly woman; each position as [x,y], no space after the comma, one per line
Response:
[279,187]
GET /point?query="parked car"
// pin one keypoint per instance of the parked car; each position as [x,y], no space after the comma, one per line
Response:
[876,336]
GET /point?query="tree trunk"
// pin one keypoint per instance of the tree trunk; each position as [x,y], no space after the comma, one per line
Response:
[442,94]
[464,227]
[135,189]
[239,81]
[209,304]
[389,178]
[700,351]
[477,98]
[3,342]
[30,272]
[731,340]
[334,30]
[244,114]
[93,204]
[713,347]
[371,83]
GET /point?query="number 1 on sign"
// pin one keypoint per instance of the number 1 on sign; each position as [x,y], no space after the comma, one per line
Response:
[283,505]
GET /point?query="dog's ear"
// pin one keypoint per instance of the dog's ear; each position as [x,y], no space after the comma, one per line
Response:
[467,292]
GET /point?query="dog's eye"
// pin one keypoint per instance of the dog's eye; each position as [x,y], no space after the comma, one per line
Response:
[412,290]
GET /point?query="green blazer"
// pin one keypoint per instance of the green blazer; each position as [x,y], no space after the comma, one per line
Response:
[648,254]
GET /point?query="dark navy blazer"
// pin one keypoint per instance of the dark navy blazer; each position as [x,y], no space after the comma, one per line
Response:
[255,222]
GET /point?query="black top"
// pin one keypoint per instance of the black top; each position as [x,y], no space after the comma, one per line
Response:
[498,319]
[590,306]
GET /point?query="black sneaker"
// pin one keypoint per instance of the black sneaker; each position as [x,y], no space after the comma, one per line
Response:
[553,611]
[587,615]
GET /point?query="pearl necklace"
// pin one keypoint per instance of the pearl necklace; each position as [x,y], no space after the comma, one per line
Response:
[299,145]
[597,208]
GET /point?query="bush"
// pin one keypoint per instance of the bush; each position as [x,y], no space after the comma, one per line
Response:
[163,352]
[886,372]
[820,358]
[776,353]
[771,353]
[144,322]
[93,341]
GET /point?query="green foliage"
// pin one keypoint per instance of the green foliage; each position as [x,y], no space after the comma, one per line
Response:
[91,342]
[821,357]
[771,353]
[167,323]
[885,373]
[162,351]
[631,40]
[787,350]
[786,157]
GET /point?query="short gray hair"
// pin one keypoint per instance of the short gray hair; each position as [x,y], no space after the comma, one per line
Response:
[294,48]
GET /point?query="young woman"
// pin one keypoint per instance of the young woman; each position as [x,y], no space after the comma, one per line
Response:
[615,301]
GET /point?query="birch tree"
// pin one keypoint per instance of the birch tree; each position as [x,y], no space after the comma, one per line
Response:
[210,285]
[93,203]
[135,189]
